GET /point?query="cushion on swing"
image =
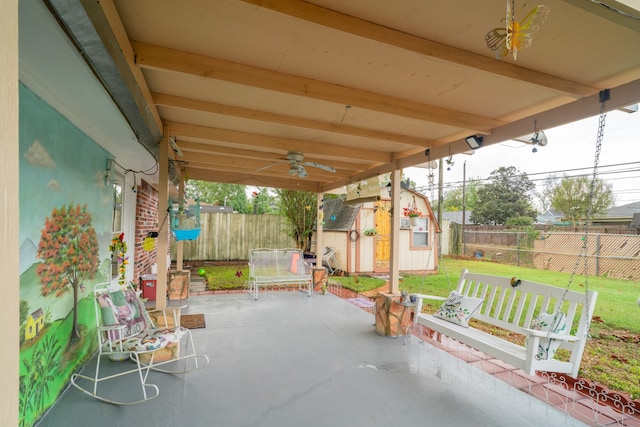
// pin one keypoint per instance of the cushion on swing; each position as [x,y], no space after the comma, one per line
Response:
[553,323]
[458,309]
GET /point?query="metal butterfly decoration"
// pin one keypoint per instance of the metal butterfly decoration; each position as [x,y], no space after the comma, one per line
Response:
[516,35]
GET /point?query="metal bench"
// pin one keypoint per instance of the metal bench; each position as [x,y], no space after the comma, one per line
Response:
[271,267]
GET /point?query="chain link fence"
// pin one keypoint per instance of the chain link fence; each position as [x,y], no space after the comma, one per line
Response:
[609,255]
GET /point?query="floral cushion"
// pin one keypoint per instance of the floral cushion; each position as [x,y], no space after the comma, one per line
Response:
[153,339]
[458,309]
[554,323]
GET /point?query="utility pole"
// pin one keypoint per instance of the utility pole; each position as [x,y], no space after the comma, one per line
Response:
[440,202]
[464,205]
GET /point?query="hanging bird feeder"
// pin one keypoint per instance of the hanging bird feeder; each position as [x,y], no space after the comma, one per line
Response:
[185,221]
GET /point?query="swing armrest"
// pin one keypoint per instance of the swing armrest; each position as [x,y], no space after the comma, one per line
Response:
[419,301]
[546,334]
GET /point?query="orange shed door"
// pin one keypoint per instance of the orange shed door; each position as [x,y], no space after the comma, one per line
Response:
[383,238]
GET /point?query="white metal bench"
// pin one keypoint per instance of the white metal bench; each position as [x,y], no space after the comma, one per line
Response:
[271,267]
[515,308]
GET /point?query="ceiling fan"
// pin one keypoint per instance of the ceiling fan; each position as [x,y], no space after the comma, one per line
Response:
[296,165]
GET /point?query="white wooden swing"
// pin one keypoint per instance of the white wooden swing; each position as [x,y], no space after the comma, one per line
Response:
[126,331]
[542,313]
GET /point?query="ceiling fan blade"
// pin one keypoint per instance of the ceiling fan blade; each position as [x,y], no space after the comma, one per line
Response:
[270,166]
[319,166]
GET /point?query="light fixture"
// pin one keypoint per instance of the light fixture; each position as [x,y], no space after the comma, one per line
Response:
[389,188]
[474,142]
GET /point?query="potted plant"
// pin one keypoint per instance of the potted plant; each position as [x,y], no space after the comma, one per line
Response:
[413,213]
[370,231]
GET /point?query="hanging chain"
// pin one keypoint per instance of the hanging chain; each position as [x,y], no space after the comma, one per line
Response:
[584,255]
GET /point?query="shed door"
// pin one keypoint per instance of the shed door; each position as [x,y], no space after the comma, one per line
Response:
[383,238]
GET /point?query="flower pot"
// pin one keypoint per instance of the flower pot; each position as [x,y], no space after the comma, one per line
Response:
[414,221]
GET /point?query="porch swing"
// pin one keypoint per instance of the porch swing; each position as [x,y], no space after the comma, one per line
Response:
[545,315]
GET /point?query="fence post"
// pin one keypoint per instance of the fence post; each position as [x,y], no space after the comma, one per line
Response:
[597,254]
[518,248]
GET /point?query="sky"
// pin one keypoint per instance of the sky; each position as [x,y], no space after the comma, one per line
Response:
[570,151]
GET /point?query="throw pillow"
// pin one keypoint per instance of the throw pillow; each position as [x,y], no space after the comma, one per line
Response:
[554,323]
[458,309]
[123,308]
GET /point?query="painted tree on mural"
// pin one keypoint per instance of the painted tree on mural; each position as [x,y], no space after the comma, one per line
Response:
[68,251]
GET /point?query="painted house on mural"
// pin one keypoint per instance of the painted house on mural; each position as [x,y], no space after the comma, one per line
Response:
[357,229]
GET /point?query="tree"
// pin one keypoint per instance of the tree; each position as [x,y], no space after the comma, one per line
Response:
[507,195]
[571,197]
[453,198]
[216,193]
[299,207]
[544,195]
[69,250]
[263,202]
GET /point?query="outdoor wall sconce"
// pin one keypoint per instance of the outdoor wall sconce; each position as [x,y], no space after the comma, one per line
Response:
[389,188]
[474,142]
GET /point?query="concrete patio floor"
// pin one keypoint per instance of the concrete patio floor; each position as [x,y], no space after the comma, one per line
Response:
[293,360]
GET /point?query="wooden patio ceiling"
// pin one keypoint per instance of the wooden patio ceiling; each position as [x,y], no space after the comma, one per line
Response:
[363,86]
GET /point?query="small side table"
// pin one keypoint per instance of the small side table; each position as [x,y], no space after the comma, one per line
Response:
[393,318]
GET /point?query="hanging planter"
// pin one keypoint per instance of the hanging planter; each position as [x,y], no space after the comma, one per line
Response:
[370,232]
[413,213]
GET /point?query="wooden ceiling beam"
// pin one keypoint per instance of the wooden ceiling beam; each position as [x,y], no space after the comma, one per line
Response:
[272,142]
[163,58]
[198,148]
[292,183]
[173,101]
[330,18]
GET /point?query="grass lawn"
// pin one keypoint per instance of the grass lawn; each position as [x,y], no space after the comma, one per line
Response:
[611,357]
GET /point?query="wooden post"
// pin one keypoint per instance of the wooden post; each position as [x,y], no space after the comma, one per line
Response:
[163,226]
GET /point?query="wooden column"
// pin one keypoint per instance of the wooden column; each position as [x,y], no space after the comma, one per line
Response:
[163,232]
[394,268]
[180,243]
[10,212]
[319,228]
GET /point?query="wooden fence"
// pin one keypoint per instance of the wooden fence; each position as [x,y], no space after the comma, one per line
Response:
[229,236]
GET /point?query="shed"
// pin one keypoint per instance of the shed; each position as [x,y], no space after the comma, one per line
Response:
[360,233]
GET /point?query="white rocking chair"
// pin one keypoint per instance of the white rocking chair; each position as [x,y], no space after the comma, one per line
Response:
[126,331]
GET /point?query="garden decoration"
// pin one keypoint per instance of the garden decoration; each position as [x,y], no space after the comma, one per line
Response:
[515,35]
[118,248]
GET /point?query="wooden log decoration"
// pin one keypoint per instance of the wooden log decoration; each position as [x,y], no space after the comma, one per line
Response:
[392,318]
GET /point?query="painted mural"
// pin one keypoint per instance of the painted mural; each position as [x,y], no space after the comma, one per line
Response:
[66,213]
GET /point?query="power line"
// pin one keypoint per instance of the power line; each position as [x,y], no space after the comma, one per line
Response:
[456,184]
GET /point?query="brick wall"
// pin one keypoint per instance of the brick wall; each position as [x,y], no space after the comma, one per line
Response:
[146,221]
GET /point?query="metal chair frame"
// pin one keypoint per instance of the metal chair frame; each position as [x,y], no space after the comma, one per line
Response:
[115,341]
